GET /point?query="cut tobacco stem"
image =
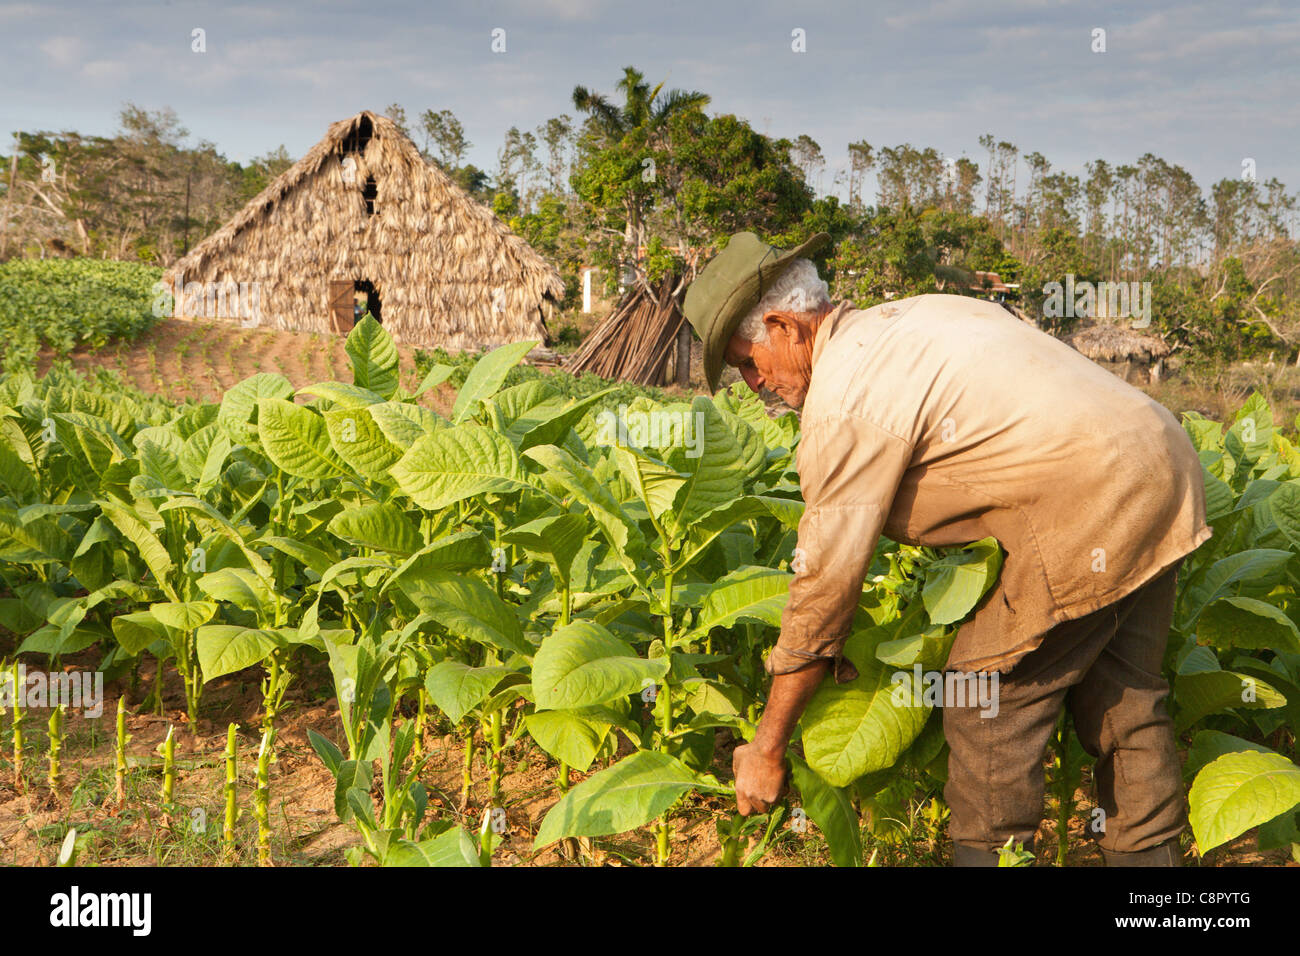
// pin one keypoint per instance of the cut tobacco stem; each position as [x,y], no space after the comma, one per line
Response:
[18,729]
[119,750]
[232,778]
[485,838]
[55,777]
[68,849]
[262,800]
[169,766]
[467,775]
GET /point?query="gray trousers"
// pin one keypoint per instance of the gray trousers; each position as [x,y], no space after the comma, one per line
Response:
[1106,668]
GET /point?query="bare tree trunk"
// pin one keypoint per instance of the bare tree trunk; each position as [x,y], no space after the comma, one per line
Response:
[684,355]
[9,199]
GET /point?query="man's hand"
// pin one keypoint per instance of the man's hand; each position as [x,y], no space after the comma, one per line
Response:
[760,777]
[759,767]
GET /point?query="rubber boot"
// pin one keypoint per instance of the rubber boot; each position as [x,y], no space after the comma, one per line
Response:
[1168,853]
[965,855]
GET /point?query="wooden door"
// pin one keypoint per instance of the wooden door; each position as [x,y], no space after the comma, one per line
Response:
[340,305]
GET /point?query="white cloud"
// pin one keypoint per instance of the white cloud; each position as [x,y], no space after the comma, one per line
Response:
[65,51]
[105,71]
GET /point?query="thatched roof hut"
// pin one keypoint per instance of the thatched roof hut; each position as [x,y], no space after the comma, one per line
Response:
[363,213]
[1104,342]
[1109,344]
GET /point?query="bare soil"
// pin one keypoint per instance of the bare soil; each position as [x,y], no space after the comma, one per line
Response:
[192,360]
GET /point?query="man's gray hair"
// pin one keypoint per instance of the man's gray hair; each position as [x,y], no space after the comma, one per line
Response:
[797,289]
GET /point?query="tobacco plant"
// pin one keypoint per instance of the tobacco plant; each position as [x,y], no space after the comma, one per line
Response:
[593,576]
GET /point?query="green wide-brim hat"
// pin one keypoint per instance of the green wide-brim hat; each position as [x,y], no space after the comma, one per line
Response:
[730,286]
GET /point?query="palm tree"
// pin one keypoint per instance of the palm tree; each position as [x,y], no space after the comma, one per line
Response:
[641,122]
[643,108]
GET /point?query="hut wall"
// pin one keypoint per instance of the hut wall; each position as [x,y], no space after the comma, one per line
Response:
[448,273]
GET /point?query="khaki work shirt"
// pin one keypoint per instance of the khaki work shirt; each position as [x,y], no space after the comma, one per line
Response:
[943,419]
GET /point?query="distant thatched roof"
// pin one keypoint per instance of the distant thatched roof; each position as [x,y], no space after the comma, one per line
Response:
[1105,342]
[363,205]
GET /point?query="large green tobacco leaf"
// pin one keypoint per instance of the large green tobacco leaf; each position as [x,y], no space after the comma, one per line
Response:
[98,442]
[224,527]
[1219,499]
[457,688]
[160,463]
[463,551]
[831,808]
[374,357]
[241,587]
[467,608]
[1203,692]
[954,584]
[1210,745]
[227,648]
[147,545]
[583,664]
[746,594]
[184,615]
[33,542]
[487,375]
[655,483]
[1206,435]
[360,442]
[344,397]
[746,405]
[403,423]
[535,413]
[558,537]
[929,648]
[1249,623]
[576,479]
[1284,507]
[862,726]
[623,797]
[713,477]
[453,848]
[703,532]
[15,474]
[435,377]
[384,527]
[1239,791]
[52,641]
[240,403]
[569,737]
[137,631]
[308,555]
[1277,675]
[295,438]
[453,464]
[1260,569]
[753,453]
[203,455]
[1251,433]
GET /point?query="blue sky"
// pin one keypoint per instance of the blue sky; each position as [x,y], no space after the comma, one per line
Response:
[1201,84]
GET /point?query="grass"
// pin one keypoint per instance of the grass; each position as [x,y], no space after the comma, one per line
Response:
[1217,390]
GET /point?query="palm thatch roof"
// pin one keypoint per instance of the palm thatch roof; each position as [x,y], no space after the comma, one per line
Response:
[363,207]
[1105,342]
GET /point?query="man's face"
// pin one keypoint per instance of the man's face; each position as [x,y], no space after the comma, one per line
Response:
[783,363]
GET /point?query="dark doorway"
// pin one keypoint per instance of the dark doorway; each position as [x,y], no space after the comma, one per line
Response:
[366,299]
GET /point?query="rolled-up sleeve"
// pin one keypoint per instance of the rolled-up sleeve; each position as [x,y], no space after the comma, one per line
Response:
[849,470]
